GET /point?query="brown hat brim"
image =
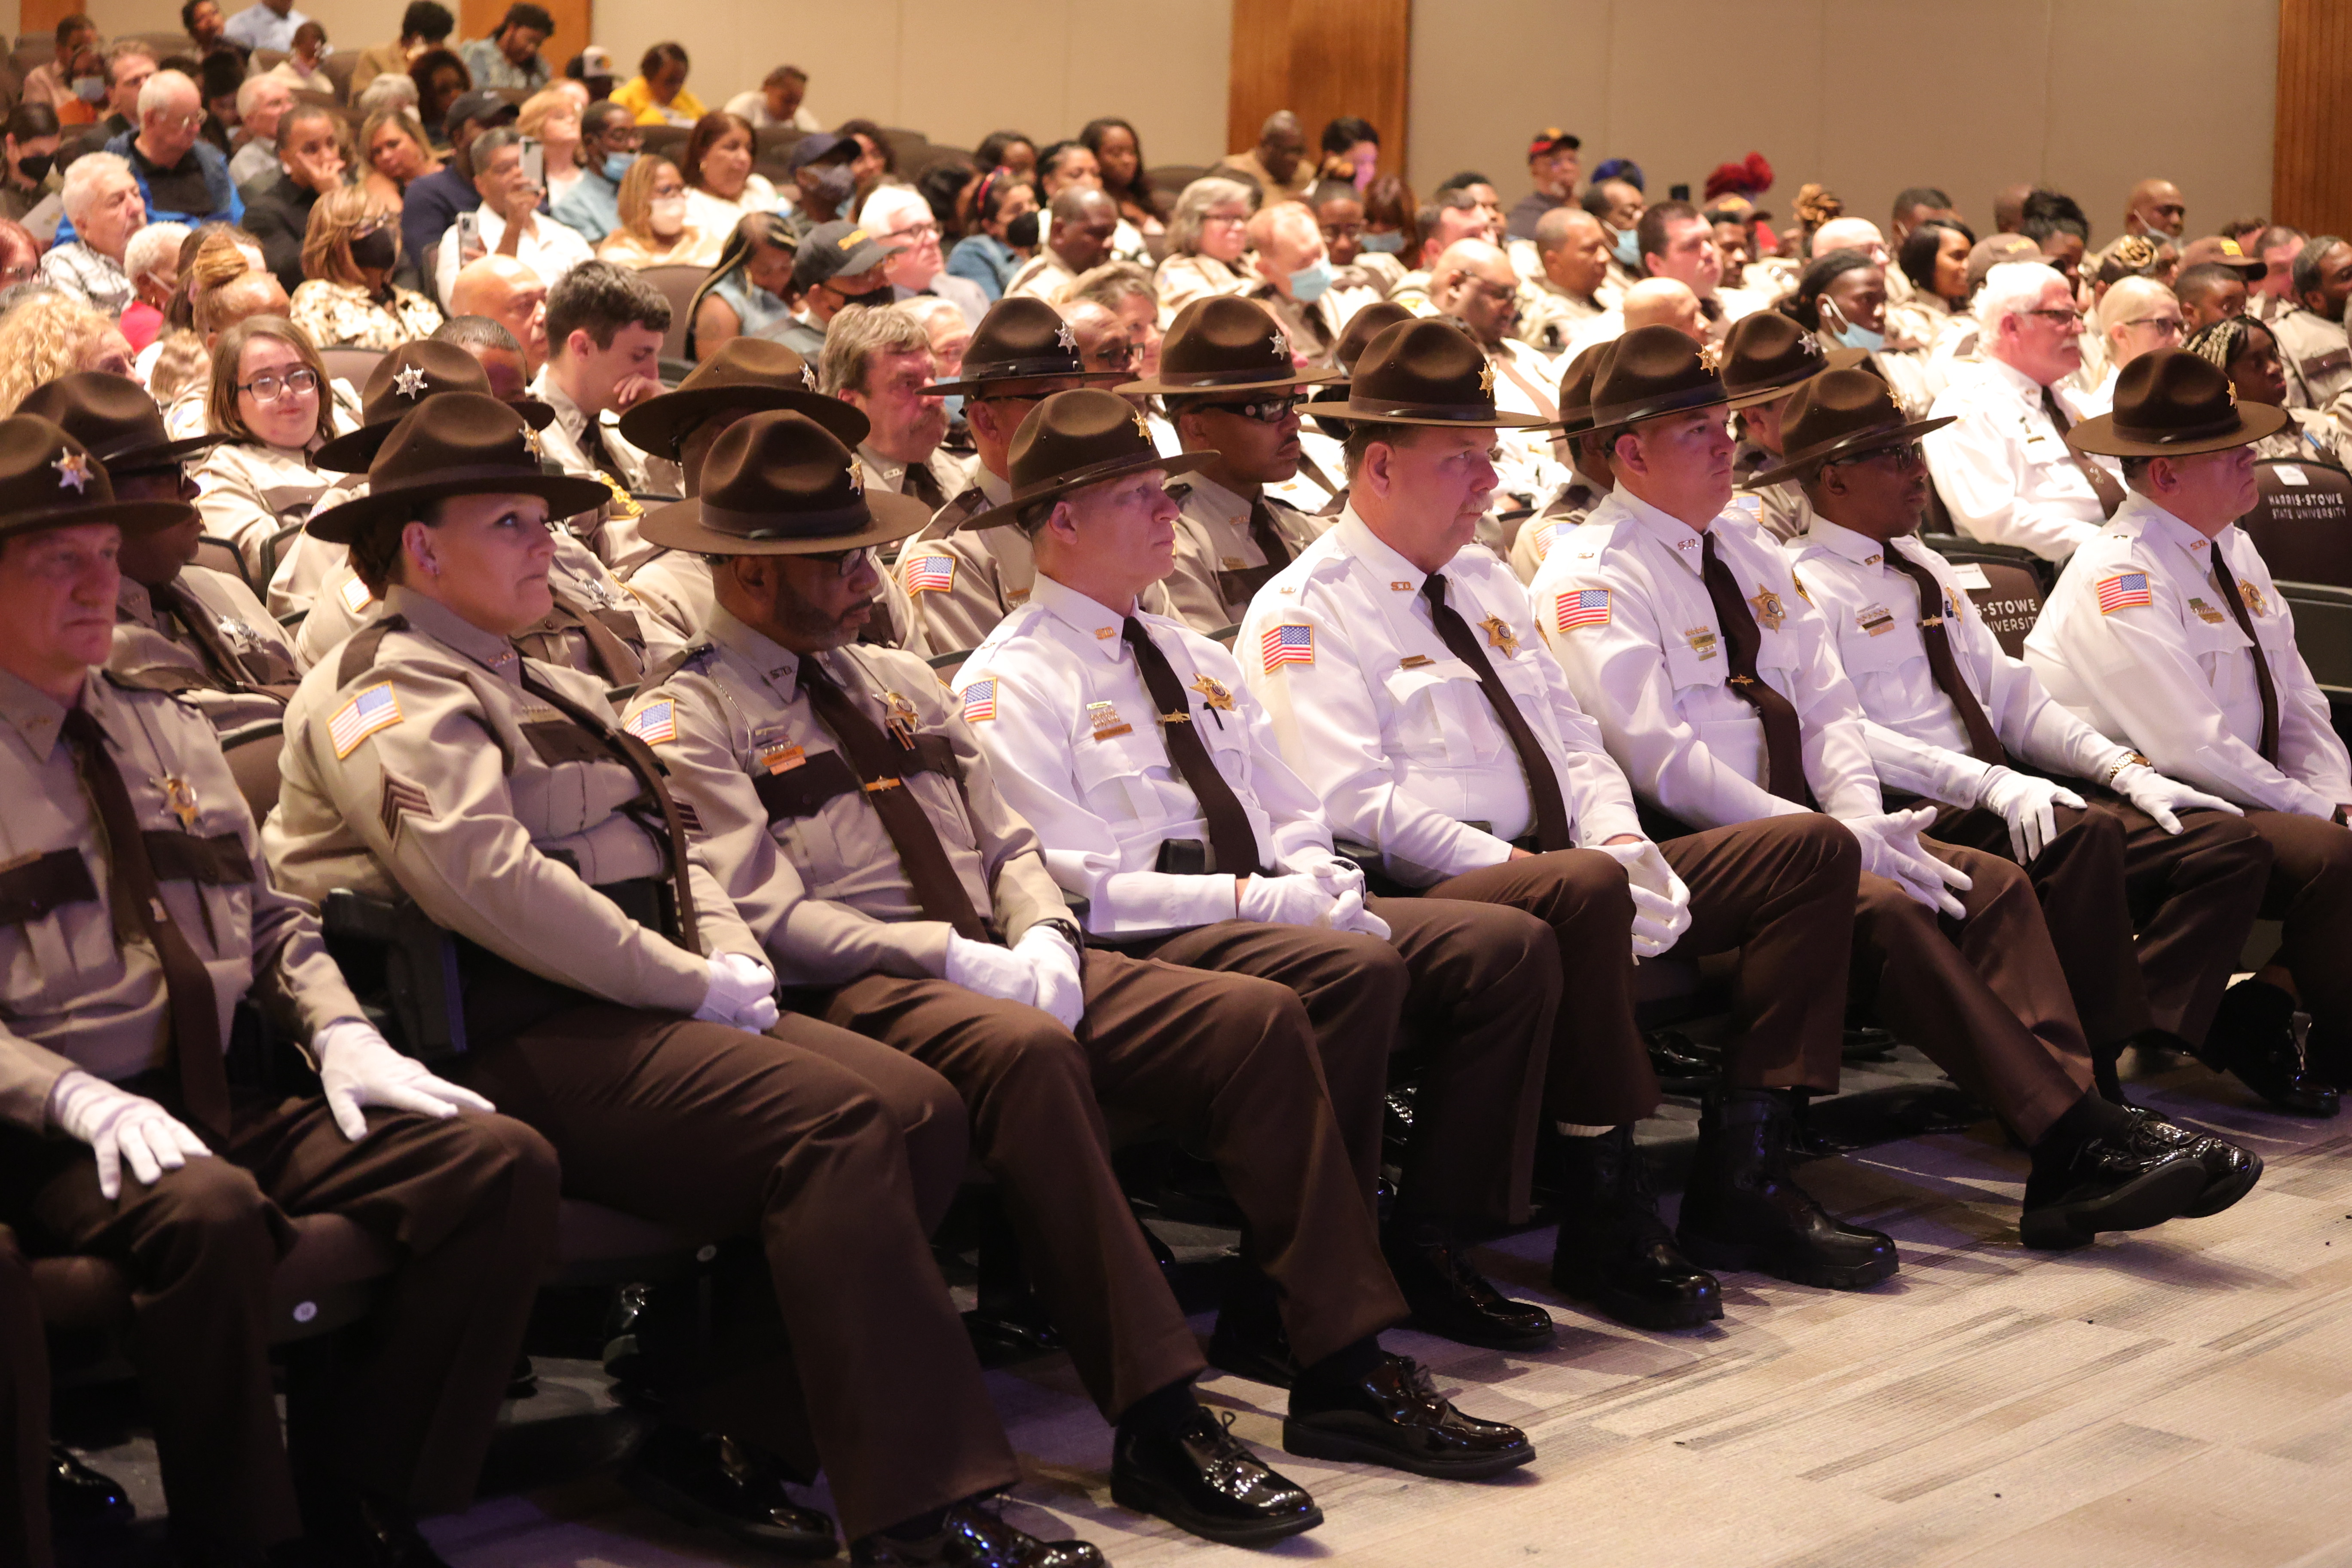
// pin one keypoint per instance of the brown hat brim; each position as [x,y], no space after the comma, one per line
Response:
[2100,437]
[565,494]
[661,424]
[683,525]
[1466,417]
[140,516]
[1794,463]
[1163,388]
[354,451]
[1833,359]
[156,458]
[1099,473]
[970,385]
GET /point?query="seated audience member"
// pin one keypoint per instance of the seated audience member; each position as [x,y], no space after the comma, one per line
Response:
[1003,212]
[1208,244]
[1124,289]
[151,260]
[2055,222]
[1841,297]
[506,291]
[1619,204]
[2248,353]
[347,298]
[207,27]
[53,82]
[878,361]
[302,69]
[28,193]
[1572,255]
[1392,231]
[1009,149]
[747,293]
[2310,324]
[2004,468]
[2134,315]
[1351,151]
[605,329]
[393,144]
[269,397]
[609,143]
[220,76]
[182,176]
[243,296]
[430,205]
[508,223]
[1338,211]
[20,256]
[129,64]
[47,336]
[825,180]
[264,25]
[1552,167]
[777,103]
[656,95]
[593,70]
[950,334]
[510,57]
[903,224]
[838,265]
[719,181]
[2212,291]
[442,82]
[1085,223]
[552,119]
[259,104]
[1933,260]
[85,68]
[1277,167]
[103,206]
[425,24]
[1294,281]
[1449,216]
[310,165]
[876,161]
[1118,160]
[657,227]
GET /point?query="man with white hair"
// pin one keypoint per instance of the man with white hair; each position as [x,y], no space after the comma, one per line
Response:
[182,177]
[2135,316]
[2003,467]
[259,102]
[151,260]
[903,224]
[1294,281]
[103,206]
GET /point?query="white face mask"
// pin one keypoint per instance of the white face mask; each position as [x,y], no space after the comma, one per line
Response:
[667,215]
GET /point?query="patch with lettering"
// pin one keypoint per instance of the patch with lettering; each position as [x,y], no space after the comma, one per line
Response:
[1104,718]
[655,723]
[377,708]
[780,755]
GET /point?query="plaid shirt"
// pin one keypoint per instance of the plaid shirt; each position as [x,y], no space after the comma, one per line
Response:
[90,275]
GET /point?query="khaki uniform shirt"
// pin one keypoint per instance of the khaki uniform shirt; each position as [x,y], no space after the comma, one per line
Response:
[248,493]
[1246,167]
[421,768]
[1536,539]
[2314,354]
[1044,276]
[1782,508]
[155,649]
[75,993]
[824,890]
[961,583]
[1219,565]
[949,472]
[1180,279]
[1549,315]
[612,531]
[677,585]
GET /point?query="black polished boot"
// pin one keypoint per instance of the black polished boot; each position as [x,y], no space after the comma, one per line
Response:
[2101,1168]
[2253,1037]
[969,1536]
[1391,1414]
[1200,1477]
[1742,1207]
[79,1495]
[1452,1299]
[712,1480]
[2230,1171]
[1613,1250]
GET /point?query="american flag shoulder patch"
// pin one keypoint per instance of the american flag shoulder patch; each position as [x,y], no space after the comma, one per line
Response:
[377,708]
[654,722]
[402,799]
[1581,607]
[356,597]
[2123,591]
[980,700]
[929,573]
[1289,643]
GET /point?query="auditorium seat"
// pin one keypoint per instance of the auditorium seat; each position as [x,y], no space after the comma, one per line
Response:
[2302,522]
[676,284]
[252,750]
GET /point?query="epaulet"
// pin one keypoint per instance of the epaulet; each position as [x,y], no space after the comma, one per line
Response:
[359,648]
[699,651]
[964,503]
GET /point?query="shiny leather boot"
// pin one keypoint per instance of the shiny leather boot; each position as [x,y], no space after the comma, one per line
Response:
[712,1480]
[1452,1299]
[970,1536]
[1201,1478]
[2230,1171]
[1743,1209]
[1613,1250]
[2253,1037]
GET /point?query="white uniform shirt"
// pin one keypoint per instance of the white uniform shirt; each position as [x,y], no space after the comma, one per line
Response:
[1393,732]
[1649,659]
[1914,734]
[1060,706]
[2005,473]
[2165,671]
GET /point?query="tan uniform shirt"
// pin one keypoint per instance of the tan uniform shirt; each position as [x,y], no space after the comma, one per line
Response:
[1535,541]
[962,584]
[610,533]
[949,472]
[1313,330]
[1247,167]
[1043,276]
[1219,566]
[75,993]
[155,649]
[422,768]
[677,585]
[1549,315]
[249,493]
[823,888]
[2314,354]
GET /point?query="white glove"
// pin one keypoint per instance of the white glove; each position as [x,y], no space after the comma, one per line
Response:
[1891,848]
[119,1127]
[2162,798]
[359,1067]
[1661,902]
[1344,881]
[743,993]
[2029,806]
[991,971]
[1299,899]
[1053,963]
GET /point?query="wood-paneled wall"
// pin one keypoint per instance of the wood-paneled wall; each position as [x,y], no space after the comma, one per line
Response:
[1321,59]
[2311,170]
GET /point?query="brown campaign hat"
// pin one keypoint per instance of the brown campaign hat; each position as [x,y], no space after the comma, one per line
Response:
[746,375]
[49,480]
[1427,373]
[1019,343]
[1657,372]
[1219,344]
[455,444]
[1576,386]
[1767,354]
[400,380]
[779,483]
[1075,438]
[1362,327]
[2170,403]
[1837,412]
[115,420]
[2219,250]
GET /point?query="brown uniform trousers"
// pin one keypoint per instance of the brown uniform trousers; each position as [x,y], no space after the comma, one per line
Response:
[1221,1059]
[2311,890]
[2191,896]
[23,1416]
[469,1201]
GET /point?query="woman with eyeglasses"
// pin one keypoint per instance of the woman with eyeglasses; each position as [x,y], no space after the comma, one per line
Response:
[1208,244]
[271,397]
[347,298]
[721,187]
[658,225]
[2132,316]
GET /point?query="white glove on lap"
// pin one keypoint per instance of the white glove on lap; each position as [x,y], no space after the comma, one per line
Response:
[1891,848]
[121,1127]
[2164,798]
[1344,881]
[1299,899]
[359,1067]
[1054,964]
[2029,806]
[743,993]
[991,971]
[1661,902]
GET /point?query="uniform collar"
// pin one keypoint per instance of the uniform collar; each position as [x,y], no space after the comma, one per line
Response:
[889,471]
[1092,623]
[778,664]
[2019,383]
[568,414]
[998,491]
[1858,548]
[133,600]
[1217,500]
[39,717]
[1374,552]
[443,625]
[2155,523]
[1680,541]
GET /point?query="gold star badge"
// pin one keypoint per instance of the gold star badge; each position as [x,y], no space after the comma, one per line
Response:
[1142,429]
[1769,612]
[530,445]
[808,375]
[1214,694]
[1499,635]
[180,796]
[857,476]
[1710,358]
[73,470]
[1486,380]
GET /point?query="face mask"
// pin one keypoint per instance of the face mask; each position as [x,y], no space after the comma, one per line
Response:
[379,249]
[1389,243]
[1307,284]
[1846,335]
[836,184]
[1021,232]
[35,166]
[1626,246]
[90,89]
[617,164]
[667,215]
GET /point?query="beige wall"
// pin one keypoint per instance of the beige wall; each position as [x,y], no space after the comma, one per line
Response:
[350,24]
[1864,96]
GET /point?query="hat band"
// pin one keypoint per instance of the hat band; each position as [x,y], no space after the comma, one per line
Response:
[1788,376]
[1663,404]
[1821,451]
[1465,412]
[463,474]
[2228,424]
[1212,378]
[1022,369]
[1107,468]
[762,525]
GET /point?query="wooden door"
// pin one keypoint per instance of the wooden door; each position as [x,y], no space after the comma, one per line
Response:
[1320,59]
[573,20]
[2310,166]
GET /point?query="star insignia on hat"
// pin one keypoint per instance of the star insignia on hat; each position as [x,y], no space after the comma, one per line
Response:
[1487,379]
[2232,388]
[73,469]
[410,382]
[1769,613]
[1279,344]
[857,476]
[1499,635]
[531,444]
[1142,429]
[808,376]
[1065,338]
[1710,358]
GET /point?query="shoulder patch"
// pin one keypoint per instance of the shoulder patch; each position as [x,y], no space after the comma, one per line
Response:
[1577,607]
[2123,591]
[930,572]
[1289,643]
[356,597]
[377,708]
[699,651]
[654,723]
[978,700]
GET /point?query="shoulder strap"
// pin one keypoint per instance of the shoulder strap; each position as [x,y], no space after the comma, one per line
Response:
[699,649]
[360,648]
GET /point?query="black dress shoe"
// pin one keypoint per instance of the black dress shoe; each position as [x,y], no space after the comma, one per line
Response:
[2130,1181]
[1681,1066]
[1454,1302]
[971,1536]
[1393,1416]
[79,1495]
[2253,1037]
[713,1481]
[1202,1479]
[1249,1340]
[2230,1171]
[1613,1250]
[1742,1207]
[352,1529]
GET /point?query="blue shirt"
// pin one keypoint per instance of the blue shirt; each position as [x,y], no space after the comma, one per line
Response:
[429,207]
[226,206]
[591,207]
[259,27]
[987,261]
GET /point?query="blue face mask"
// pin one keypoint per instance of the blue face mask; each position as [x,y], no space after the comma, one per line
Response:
[1307,284]
[1862,337]
[1626,246]
[617,164]
[1389,243]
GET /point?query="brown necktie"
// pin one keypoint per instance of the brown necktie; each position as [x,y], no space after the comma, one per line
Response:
[1784,748]
[620,666]
[638,758]
[1984,745]
[1542,399]
[1543,784]
[880,763]
[924,485]
[1231,838]
[2228,583]
[592,441]
[1266,536]
[188,992]
[227,664]
[2103,483]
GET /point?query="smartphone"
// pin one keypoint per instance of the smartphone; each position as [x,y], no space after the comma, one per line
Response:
[469,234]
[534,162]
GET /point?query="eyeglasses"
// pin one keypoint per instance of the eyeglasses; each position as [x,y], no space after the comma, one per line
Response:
[2165,326]
[185,123]
[1235,219]
[1500,293]
[1902,452]
[1111,356]
[2069,319]
[845,562]
[270,388]
[916,235]
[1264,410]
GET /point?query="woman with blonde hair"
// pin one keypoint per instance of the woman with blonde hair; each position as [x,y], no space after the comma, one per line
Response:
[46,336]
[552,119]
[347,298]
[1208,244]
[396,153]
[269,395]
[657,226]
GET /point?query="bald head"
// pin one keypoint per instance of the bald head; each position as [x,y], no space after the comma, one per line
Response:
[2155,210]
[1281,145]
[247,294]
[1664,302]
[2008,207]
[509,293]
[1851,234]
[1574,250]
[1085,223]
[1472,281]
[1288,239]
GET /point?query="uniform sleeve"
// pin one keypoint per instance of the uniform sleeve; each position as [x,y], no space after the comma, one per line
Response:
[961,614]
[1976,464]
[1837,755]
[1599,800]
[234,511]
[1022,887]
[1192,586]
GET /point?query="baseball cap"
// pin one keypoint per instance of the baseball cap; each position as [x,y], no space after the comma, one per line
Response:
[482,106]
[1550,139]
[833,250]
[816,146]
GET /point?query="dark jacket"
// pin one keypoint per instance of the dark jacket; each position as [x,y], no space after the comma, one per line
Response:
[278,214]
[429,207]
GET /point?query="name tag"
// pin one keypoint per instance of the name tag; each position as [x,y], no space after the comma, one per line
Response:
[1702,641]
[783,757]
[1414,661]
[1106,722]
[1875,620]
[2046,449]
[2288,474]
[1970,574]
